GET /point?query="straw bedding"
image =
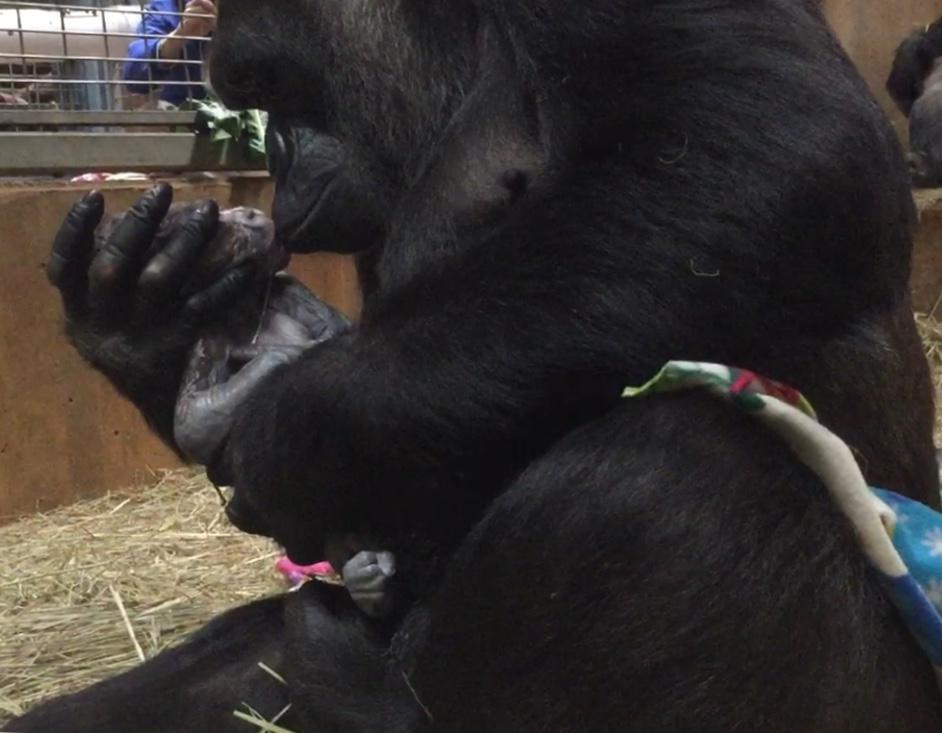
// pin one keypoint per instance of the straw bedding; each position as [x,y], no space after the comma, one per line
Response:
[931,331]
[88,590]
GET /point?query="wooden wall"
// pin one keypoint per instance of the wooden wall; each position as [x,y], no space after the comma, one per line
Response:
[64,432]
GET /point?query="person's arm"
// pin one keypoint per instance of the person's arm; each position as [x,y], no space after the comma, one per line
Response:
[143,51]
[198,21]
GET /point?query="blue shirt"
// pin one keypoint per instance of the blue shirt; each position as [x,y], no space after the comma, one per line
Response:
[146,67]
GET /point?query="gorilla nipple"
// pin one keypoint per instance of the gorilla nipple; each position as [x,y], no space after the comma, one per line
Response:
[516,181]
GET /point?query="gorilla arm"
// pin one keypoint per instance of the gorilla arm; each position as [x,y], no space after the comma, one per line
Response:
[674,223]
[407,426]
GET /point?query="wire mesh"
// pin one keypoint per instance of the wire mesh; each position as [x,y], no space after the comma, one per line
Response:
[99,55]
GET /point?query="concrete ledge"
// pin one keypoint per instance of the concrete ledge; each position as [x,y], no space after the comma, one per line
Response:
[59,153]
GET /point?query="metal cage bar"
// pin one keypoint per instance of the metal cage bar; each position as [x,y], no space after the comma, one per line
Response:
[82,88]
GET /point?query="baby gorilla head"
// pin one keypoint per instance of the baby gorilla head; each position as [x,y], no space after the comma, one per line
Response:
[243,235]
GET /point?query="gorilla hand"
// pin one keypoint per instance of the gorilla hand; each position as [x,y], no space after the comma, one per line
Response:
[124,311]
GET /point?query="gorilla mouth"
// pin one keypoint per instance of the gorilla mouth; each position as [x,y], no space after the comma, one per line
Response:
[300,557]
[296,223]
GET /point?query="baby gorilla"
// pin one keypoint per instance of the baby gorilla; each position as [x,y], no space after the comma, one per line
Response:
[271,324]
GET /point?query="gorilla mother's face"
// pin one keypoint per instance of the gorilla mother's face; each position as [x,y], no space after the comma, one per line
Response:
[358,91]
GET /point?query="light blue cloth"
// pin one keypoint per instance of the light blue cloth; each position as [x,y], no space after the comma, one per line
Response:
[917,537]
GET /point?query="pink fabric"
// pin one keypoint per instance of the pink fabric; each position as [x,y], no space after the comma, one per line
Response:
[295,574]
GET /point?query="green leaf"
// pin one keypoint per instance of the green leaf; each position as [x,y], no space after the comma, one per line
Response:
[256,122]
[220,136]
[247,127]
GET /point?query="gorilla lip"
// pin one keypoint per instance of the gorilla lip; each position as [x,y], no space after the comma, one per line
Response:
[290,230]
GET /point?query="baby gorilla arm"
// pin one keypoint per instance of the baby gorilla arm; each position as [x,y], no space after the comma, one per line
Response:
[211,392]
[225,366]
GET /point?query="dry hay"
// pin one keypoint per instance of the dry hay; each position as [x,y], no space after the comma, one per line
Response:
[930,329]
[88,590]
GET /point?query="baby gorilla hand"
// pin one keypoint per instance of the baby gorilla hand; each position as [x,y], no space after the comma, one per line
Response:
[125,312]
[225,367]
[368,576]
[212,390]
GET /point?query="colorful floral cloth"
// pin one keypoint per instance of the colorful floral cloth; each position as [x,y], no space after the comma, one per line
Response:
[901,538]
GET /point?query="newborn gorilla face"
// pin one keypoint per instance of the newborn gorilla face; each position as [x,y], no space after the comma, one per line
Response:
[243,235]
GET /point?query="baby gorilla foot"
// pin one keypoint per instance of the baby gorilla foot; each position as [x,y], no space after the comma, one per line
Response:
[368,577]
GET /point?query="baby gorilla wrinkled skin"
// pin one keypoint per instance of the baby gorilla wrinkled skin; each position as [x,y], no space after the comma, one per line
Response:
[268,325]
[242,235]
[271,328]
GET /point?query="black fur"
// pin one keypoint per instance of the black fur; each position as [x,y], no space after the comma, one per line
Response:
[557,198]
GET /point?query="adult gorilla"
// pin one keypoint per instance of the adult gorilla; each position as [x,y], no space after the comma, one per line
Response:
[556,198]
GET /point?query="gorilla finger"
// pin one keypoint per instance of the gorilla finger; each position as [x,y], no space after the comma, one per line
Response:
[246,353]
[72,249]
[116,267]
[162,277]
[75,237]
[219,295]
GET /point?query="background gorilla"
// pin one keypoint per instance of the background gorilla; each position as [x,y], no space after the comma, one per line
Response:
[556,198]
[915,83]
[913,62]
